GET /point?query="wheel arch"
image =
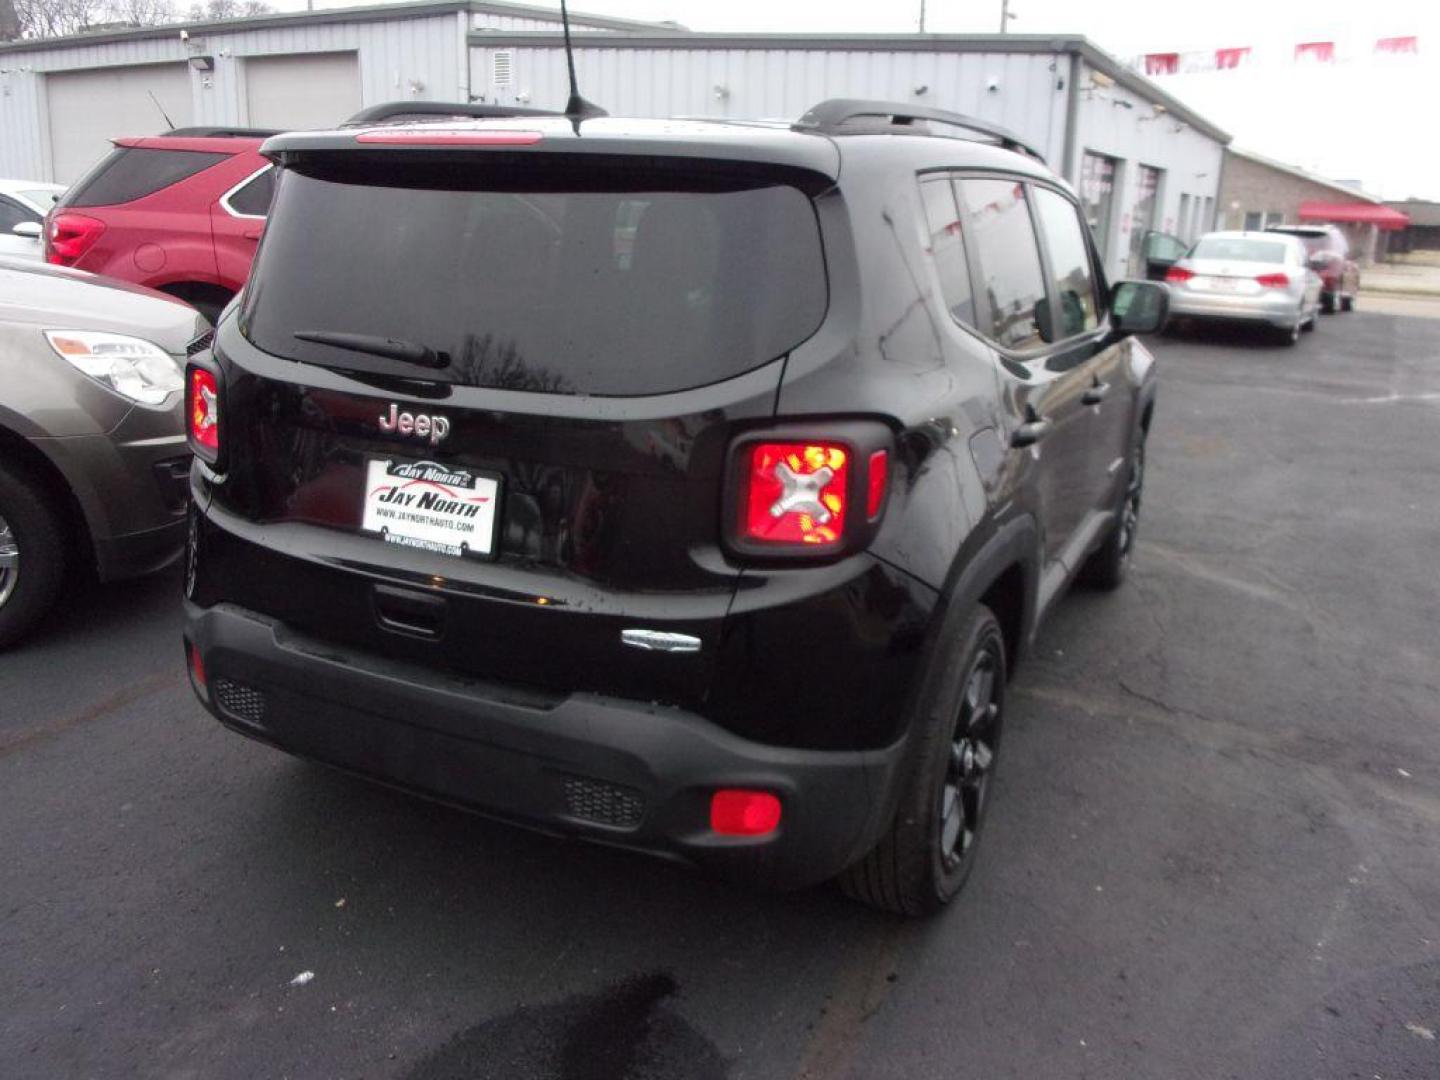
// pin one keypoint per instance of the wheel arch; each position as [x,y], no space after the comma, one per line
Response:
[20,450]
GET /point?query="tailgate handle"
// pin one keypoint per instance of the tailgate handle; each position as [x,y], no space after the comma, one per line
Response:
[405,611]
[1096,393]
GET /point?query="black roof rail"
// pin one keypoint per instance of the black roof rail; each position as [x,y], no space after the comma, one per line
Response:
[221,133]
[830,117]
[397,111]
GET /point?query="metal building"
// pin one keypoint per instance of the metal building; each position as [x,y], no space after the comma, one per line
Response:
[1140,159]
[62,100]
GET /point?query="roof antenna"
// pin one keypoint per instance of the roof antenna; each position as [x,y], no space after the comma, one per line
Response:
[168,122]
[577,108]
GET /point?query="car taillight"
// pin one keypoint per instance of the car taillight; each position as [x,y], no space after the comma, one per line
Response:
[738,812]
[202,412]
[70,236]
[1178,275]
[1274,281]
[812,491]
[796,493]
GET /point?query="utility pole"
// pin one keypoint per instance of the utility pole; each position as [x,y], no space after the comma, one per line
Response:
[922,15]
[1005,15]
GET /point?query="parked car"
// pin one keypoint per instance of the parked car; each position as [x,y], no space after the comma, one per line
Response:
[93,462]
[23,206]
[1247,277]
[180,212]
[690,487]
[1328,254]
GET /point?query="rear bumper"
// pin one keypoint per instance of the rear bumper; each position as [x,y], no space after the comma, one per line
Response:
[1278,311]
[618,772]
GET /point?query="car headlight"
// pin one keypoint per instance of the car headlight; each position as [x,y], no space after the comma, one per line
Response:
[132,367]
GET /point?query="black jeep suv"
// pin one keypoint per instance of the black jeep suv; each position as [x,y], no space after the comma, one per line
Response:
[690,487]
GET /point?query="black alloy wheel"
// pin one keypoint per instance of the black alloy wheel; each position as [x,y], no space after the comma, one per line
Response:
[926,854]
[972,756]
[1110,562]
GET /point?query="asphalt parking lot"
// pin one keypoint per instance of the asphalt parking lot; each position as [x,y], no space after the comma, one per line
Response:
[1213,851]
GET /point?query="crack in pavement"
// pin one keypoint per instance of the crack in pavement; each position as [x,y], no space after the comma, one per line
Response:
[50,729]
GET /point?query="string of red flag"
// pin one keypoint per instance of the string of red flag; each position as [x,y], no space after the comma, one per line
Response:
[1305,52]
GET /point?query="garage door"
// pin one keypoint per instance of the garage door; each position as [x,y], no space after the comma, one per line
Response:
[314,90]
[89,108]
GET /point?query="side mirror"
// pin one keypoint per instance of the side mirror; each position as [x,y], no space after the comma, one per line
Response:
[28,229]
[1139,307]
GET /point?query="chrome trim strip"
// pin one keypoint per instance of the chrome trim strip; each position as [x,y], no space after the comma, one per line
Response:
[660,641]
[225,199]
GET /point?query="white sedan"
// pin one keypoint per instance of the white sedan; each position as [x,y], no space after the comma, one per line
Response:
[23,206]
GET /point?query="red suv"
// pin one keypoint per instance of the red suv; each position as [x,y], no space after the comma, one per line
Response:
[1329,256]
[180,212]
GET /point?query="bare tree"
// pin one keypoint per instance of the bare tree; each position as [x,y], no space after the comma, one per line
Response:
[219,10]
[58,18]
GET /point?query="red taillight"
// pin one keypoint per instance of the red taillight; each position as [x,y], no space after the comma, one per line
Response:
[202,412]
[795,493]
[69,236]
[877,478]
[1274,281]
[1178,275]
[460,137]
[738,812]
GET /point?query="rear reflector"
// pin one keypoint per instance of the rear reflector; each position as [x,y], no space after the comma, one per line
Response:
[1274,281]
[197,667]
[737,812]
[1178,275]
[454,137]
[796,493]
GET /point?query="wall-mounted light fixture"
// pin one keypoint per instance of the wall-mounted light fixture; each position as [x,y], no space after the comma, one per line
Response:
[202,63]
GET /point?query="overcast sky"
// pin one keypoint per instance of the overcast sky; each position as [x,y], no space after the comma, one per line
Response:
[1361,119]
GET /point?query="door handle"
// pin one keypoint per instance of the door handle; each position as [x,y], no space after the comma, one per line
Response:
[1030,432]
[254,234]
[1096,393]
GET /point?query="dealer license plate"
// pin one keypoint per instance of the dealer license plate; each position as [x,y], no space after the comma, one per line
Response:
[432,507]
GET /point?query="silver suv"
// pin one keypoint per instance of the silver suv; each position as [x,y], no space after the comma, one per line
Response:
[93,463]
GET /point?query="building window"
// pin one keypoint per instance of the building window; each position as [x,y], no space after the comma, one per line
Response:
[1253,221]
[1274,217]
[1097,195]
[1182,222]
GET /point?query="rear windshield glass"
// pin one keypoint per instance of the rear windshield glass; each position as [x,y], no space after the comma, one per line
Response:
[131,173]
[1235,250]
[566,280]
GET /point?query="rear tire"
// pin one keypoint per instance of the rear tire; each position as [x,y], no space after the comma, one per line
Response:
[1108,565]
[1330,303]
[1347,303]
[1290,335]
[926,855]
[32,555]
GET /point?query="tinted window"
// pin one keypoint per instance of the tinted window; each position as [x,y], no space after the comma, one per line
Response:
[12,214]
[999,226]
[1239,250]
[947,246]
[130,173]
[1070,269]
[254,198]
[562,280]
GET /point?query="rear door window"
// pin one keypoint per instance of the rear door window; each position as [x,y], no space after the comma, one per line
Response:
[947,246]
[131,173]
[998,223]
[1071,272]
[565,279]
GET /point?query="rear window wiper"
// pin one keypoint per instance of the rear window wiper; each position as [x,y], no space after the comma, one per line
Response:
[407,352]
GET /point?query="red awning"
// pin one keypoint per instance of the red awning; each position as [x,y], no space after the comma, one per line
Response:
[1363,213]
